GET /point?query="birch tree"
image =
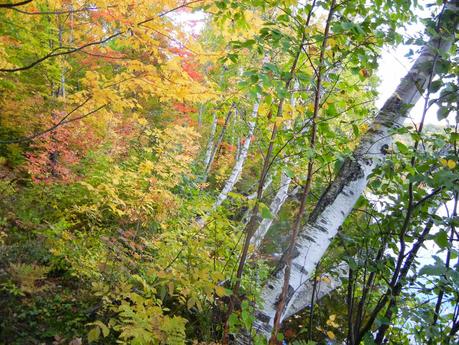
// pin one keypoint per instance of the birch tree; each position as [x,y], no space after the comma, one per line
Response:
[337,201]
[239,164]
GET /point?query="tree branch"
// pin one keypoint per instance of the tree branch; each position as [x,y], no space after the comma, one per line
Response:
[21,3]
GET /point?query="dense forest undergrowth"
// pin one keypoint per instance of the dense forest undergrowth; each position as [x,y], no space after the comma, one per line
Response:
[217,172]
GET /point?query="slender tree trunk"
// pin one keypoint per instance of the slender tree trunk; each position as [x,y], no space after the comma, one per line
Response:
[286,292]
[250,228]
[200,111]
[280,197]
[366,291]
[339,198]
[276,204]
[210,144]
[394,291]
[60,92]
[215,147]
[239,165]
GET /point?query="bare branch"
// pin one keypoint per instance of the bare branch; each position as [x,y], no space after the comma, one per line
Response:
[54,54]
[15,4]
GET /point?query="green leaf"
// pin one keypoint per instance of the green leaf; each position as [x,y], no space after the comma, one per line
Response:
[355,130]
[441,239]
[265,212]
[271,67]
[454,137]
[442,66]
[289,173]
[436,85]
[442,113]
[402,148]
[237,196]
[248,43]
[233,322]
[105,330]
[221,5]
[93,334]
[432,270]
[233,57]
[283,18]
[331,110]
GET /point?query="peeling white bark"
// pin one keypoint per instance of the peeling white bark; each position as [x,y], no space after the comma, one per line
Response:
[239,165]
[328,283]
[338,200]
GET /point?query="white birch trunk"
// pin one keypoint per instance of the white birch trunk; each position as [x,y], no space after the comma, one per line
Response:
[239,165]
[200,111]
[274,207]
[210,144]
[216,145]
[61,90]
[338,200]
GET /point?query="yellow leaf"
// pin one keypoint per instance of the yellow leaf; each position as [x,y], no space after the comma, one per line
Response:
[334,324]
[325,279]
[220,291]
[190,303]
[146,167]
[170,287]
[103,328]
[444,162]
[331,335]
[279,120]
[331,42]
[142,121]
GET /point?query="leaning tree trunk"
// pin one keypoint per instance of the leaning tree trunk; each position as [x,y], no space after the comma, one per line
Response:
[239,165]
[339,198]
